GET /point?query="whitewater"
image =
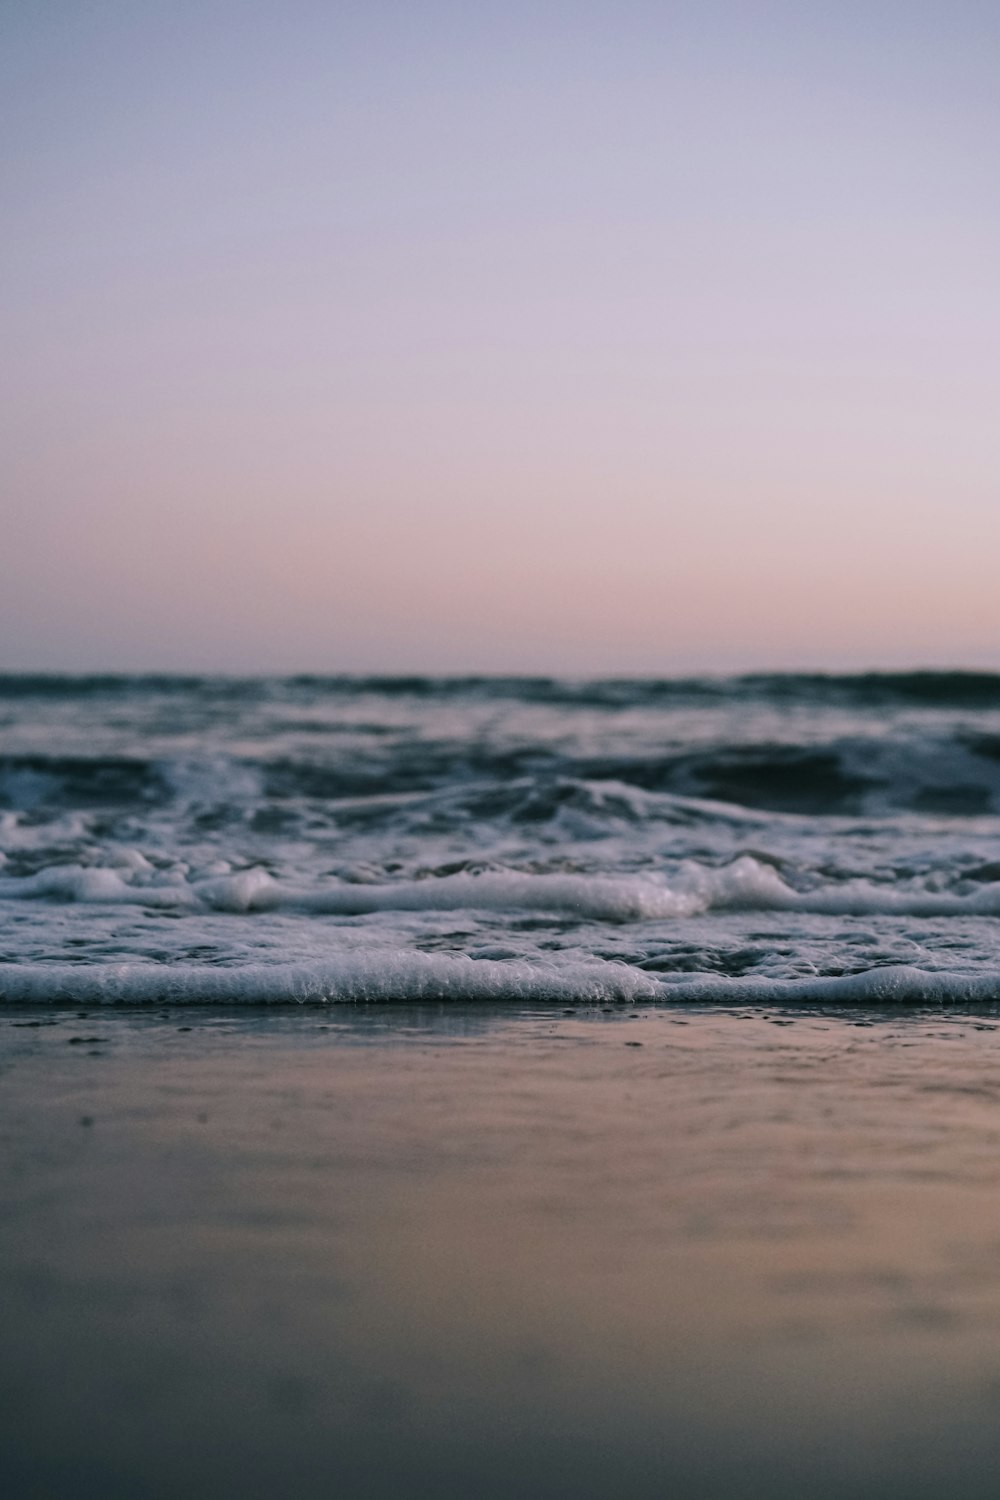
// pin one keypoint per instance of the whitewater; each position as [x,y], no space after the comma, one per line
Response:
[771,838]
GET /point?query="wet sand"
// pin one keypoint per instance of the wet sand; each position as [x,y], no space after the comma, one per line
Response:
[469,1251]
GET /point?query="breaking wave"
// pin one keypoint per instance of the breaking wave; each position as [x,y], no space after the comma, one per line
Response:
[747,839]
[955,775]
[746,884]
[370,977]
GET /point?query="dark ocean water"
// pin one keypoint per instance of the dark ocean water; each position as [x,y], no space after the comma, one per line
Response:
[756,838]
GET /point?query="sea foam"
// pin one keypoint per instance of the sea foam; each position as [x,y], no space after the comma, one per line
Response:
[360,975]
[369,976]
[746,884]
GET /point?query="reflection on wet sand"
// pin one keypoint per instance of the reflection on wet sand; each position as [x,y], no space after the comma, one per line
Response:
[454,1251]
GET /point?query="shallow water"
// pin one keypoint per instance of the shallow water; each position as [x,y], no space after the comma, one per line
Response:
[454,1250]
[769,838]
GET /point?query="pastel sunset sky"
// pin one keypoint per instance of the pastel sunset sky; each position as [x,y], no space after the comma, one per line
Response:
[560,337]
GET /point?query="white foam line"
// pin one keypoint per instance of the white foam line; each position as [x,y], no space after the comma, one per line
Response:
[611,899]
[745,885]
[375,975]
[358,976]
[896,984]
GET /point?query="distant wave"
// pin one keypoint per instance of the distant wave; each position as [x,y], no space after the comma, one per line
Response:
[956,774]
[929,688]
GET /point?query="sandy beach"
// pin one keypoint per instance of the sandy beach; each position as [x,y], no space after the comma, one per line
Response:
[390,1251]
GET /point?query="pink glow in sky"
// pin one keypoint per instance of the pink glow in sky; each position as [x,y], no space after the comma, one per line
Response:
[563,337]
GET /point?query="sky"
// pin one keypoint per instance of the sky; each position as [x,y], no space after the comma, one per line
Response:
[551,337]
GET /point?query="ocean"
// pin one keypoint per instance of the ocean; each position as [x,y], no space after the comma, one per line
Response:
[772,839]
[666,1163]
